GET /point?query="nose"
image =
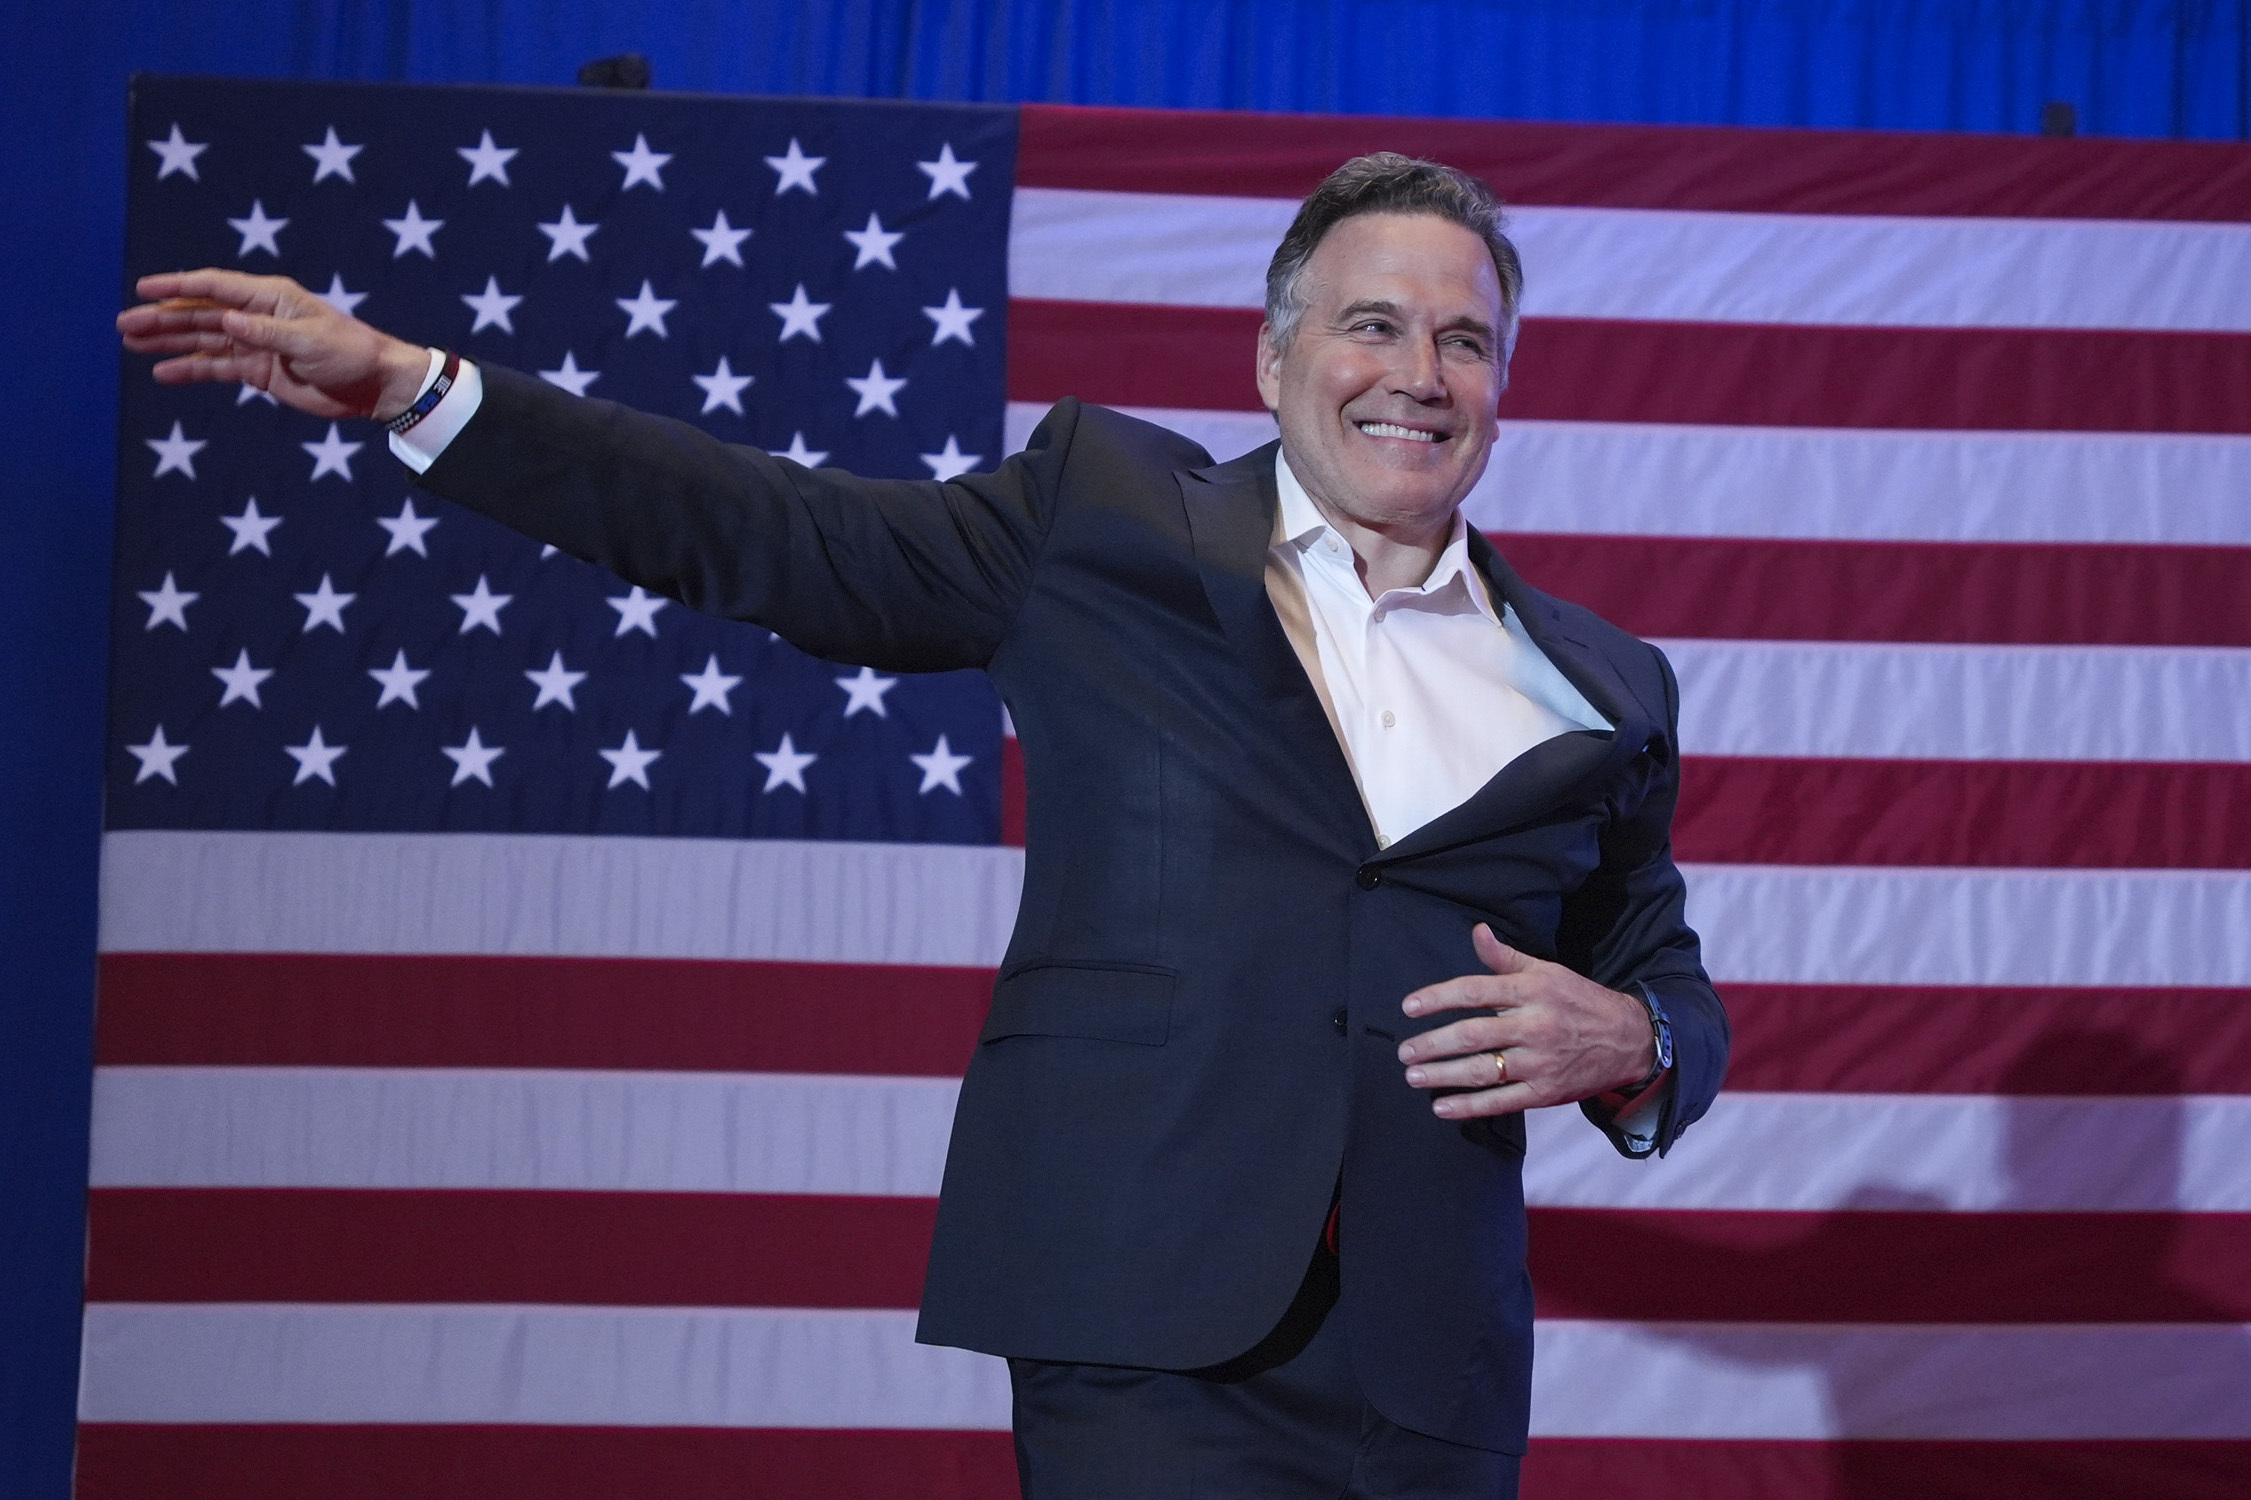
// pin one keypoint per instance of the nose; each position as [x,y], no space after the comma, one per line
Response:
[1417,373]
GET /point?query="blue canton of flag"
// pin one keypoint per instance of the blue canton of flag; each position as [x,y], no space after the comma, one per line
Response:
[303,641]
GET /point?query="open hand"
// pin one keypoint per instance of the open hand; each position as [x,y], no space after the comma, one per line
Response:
[1541,1034]
[269,332]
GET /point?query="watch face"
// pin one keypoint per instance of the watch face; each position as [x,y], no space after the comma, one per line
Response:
[1664,1028]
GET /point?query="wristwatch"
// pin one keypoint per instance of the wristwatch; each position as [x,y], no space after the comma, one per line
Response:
[1660,1032]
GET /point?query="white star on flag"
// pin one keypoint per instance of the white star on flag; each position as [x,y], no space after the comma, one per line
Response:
[324,606]
[472,759]
[332,455]
[250,528]
[798,453]
[258,231]
[722,387]
[646,311]
[176,153]
[946,174]
[785,765]
[953,320]
[637,611]
[941,767]
[315,758]
[556,684]
[796,169]
[338,297]
[876,390]
[874,244]
[629,762]
[570,377]
[799,315]
[250,393]
[641,164]
[241,680]
[176,454]
[866,691]
[414,232]
[398,681]
[168,604]
[156,757]
[481,607]
[333,158]
[492,307]
[711,687]
[407,529]
[487,162]
[951,464]
[722,241]
[566,236]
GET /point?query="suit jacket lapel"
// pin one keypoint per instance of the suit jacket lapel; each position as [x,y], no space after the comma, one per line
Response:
[1231,523]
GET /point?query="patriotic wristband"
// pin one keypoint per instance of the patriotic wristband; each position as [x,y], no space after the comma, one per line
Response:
[429,399]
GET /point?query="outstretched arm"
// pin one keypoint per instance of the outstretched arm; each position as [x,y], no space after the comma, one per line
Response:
[269,332]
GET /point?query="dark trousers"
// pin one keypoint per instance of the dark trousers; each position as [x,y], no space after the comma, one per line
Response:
[1284,1422]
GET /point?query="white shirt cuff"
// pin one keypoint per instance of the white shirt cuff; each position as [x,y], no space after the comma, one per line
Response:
[419,446]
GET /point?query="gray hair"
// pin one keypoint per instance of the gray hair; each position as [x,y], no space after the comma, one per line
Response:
[1385,182]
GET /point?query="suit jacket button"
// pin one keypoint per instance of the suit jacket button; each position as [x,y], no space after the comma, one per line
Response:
[1369,877]
[1337,1021]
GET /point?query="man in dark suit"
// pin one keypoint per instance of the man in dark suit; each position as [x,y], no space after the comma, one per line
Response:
[1344,845]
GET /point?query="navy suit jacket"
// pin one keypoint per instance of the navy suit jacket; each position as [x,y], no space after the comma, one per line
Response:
[1192,1037]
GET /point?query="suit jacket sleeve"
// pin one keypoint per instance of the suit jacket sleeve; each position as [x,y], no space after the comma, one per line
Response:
[1628,927]
[905,575]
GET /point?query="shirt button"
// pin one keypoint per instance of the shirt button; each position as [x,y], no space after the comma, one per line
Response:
[1389,719]
[1337,1021]
[1377,616]
[1382,842]
[1329,542]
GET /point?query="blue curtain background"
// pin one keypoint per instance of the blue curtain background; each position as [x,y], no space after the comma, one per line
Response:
[2129,67]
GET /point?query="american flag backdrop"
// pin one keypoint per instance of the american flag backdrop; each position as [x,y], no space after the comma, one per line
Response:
[529,1011]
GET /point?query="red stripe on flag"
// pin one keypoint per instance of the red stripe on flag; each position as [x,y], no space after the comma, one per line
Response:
[2025,814]
[600,1249]
[1764,589]
[315,1011]
[713,1250]
[1735,1469]
[132,1461]
[1729,374]
[1239,154]
[387,1011]
[1011,792]
[1891,1266]
[1885,1039]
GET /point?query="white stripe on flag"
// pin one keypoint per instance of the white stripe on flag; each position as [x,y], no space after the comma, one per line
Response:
[1817,924]
[578,1366]
[1778,923]
[699,1132]
[712,1367]
[562,895]
[520,1128]
[1816,1381]
[1977,1153]
[1957,702]
[1077,245]
[1821,484]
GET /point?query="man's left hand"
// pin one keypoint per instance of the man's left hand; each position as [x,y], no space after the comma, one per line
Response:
[1541,1035]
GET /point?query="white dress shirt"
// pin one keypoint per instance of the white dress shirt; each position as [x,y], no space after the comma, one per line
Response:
[1431,690]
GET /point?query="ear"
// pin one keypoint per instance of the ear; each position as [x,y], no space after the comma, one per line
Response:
[1269,368]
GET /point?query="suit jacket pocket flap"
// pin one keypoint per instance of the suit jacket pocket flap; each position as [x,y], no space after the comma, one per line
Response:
[1107,1004]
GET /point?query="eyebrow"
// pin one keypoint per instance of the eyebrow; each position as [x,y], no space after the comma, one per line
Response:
[1392,309]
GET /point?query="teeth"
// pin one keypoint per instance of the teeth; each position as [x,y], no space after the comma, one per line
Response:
[1394,430]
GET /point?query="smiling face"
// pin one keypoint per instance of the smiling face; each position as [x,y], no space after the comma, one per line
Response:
[1388,391]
